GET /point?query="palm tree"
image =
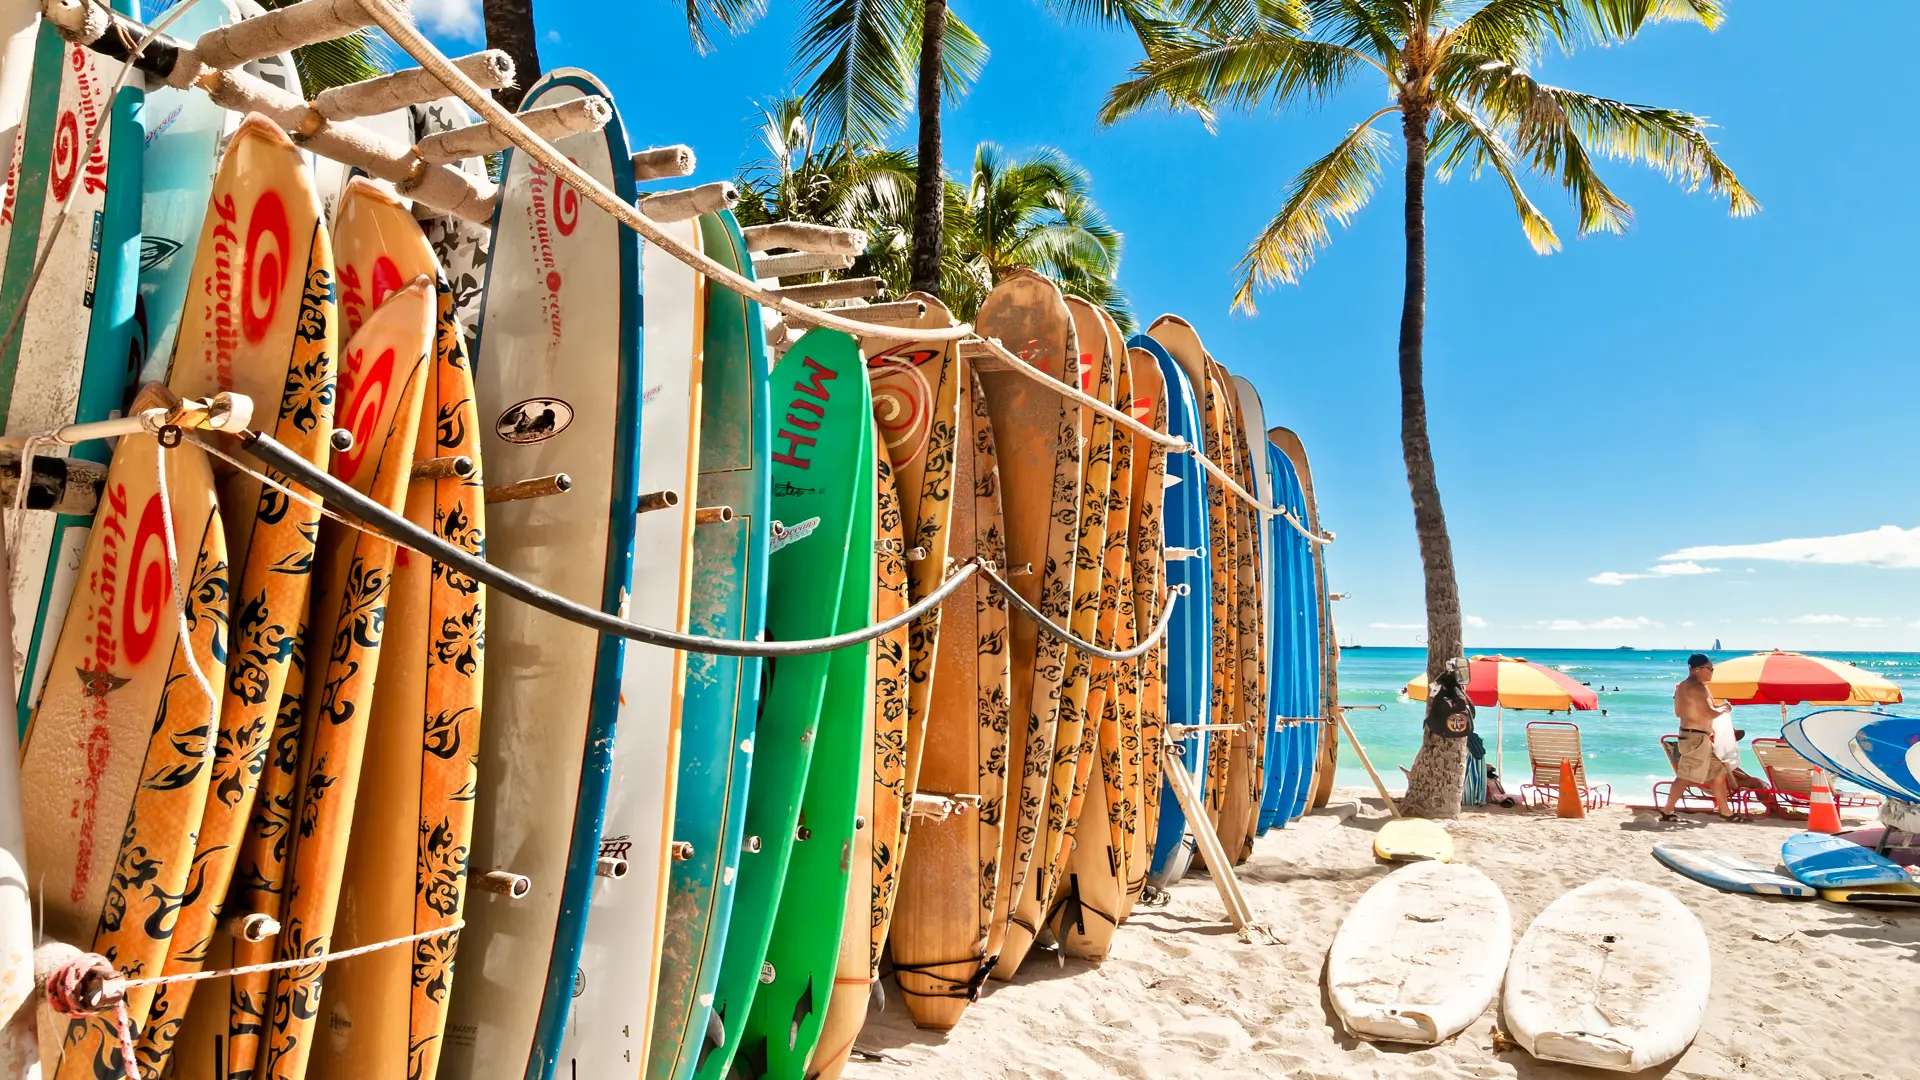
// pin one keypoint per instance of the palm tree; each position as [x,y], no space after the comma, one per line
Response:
[870,60]
[1460,75]
[797,178]
[323,65]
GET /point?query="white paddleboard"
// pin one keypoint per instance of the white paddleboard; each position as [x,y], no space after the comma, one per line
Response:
[1614,975]
[1726,872]
[1421,955]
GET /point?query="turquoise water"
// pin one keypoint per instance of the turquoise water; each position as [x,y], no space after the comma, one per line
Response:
[1622,747]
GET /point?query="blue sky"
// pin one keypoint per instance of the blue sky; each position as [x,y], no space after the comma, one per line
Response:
[1628,432]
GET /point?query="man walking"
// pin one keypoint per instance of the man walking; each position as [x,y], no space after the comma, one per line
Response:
[1698,763]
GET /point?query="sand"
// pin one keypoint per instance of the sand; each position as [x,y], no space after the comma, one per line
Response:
[1800,988]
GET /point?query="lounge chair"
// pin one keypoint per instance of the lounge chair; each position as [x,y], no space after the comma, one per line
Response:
[1791,776]
[1697,796]
[1549,742]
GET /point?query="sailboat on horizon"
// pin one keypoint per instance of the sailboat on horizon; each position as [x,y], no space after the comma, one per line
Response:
[1716,644]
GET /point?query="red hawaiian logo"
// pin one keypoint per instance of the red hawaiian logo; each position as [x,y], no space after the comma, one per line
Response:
[269,243]
[149,586]
[363,392]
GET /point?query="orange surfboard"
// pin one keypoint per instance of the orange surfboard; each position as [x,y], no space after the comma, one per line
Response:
[1149,580]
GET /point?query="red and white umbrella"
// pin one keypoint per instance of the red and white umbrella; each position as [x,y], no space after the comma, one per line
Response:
[1513,682]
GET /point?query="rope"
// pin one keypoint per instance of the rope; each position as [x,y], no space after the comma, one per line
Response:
[180,605]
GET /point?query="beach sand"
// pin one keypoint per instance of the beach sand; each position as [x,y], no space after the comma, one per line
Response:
[1800,988]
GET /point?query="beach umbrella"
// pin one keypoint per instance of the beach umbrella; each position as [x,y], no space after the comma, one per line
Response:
[1514,682]
[1791,678]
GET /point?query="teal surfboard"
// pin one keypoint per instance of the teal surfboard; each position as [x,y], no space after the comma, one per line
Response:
[819,582]
[63,367]
[723,693]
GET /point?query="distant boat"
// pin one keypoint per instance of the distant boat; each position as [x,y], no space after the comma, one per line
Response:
[1716,644]
[1625,648]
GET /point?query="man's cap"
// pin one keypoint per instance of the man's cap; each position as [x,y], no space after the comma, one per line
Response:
[1698,659]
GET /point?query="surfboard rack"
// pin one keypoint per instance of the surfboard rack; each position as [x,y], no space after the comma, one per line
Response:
[456,467]
[689,203]
[1340,715]
[800,263]
[657,500]
[253,927]
[611,866]
[503,882]
[713,515]
[62,485]
[222,412]
[538,487]
[1219,865]
[662,163]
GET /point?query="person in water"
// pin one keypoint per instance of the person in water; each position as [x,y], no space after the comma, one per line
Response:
[1698,763]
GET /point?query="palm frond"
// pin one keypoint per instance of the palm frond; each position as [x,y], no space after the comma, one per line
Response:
[1621,20]
[1149,20]
[1333,188]
[963,56]
[1516,30]
[733,16]
[1376,27]
[1264,68]
[1463,136]
[363,54]
[861,55]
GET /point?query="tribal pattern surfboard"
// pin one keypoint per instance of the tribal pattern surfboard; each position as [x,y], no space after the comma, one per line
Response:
[1147,531]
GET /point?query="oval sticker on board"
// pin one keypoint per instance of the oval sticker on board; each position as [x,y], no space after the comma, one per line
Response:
[534,420]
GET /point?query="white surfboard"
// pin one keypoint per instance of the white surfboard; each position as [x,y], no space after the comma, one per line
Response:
[612,1015]
[1421,955]
[1614,975]
[19,1050]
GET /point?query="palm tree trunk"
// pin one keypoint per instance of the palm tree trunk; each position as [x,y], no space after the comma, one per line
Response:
[929,189]
[510,29]
[1439,771]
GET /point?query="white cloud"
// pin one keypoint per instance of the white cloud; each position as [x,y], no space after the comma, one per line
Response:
[1476,622]
[1888,547]
[553,36]
[1397,626]
[1616,622]
[1821,620]
[454,18]
[1677,569]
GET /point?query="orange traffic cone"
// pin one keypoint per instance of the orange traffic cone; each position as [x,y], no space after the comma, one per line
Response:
[1822,814]
[1571,804]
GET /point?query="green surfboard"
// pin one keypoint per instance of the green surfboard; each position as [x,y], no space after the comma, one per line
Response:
[822,447]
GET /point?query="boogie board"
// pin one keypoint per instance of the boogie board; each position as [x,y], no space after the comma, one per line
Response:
[1728,873]
[722,693]
[940,929]
[1613,975]
[1413,840]
[264,263]
[1147,533]
[1189,636]
[1036,434]
[558,387]
[1828,862]
[822,442]
[1421,955]
[607,1028]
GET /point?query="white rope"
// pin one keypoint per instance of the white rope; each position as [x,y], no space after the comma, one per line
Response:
[180,606]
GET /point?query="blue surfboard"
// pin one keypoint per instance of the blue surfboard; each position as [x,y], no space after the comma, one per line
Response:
[1824,738]
[1728,873]
[1828,862]
[1892,748]
[1295,675]
[1311,569]
[1190,631]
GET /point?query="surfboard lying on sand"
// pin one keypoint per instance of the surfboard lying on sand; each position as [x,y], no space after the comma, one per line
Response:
[1421,955]
[1613,975]
[1729,873]
[1828,862]
[1413,840]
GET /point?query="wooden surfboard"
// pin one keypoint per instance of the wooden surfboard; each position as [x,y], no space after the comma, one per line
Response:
[722,693]
[1250,620]
[558,384]
[1189,649]
[258,319]
[1147,533]
[62,367]
[951,873]
[113,768]
[383,374]
[1073,737]
[916,393]
[1237,796]
[1320,735]
[405,869]
[607,1028]
[1253,427]
[822,435]
[873,880]
[1036,436]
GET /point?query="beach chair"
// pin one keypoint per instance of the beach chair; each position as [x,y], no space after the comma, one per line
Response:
[1791,777]
[1549,742]
[1696,796]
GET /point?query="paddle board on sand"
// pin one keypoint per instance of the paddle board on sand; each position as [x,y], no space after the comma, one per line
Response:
[1413,840]
[1421,955]
[558,386]
[1899,894]
[940,928]
[1189,648]
[722,693]
[1828,862]
[1614,974]
[1036,433]
[612,1014]
[1728,873]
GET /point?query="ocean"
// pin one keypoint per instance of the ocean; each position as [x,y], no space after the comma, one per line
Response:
[1621,739]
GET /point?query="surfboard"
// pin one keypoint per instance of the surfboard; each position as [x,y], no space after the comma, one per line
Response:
[1294,676]
[1421,955]
[558,387]
[1891,747]
[1189,633]
[332,177]
[1253,447]
[1147,533]
[950,878]
[1898,894]
[791,1002]
[19,1046]
[1413,840]
[873,881]
[62,369]
[1249,599]
[19,29]
[1036,435]
[1318,740]
[1825,738]
[612,1014]
[1828,862]
[259,319]
[461,245]
[822,435]
[382,386]
[113,767]
[1613,975]
[1074,736]
[405,871]
[1727,873]
[722,694]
